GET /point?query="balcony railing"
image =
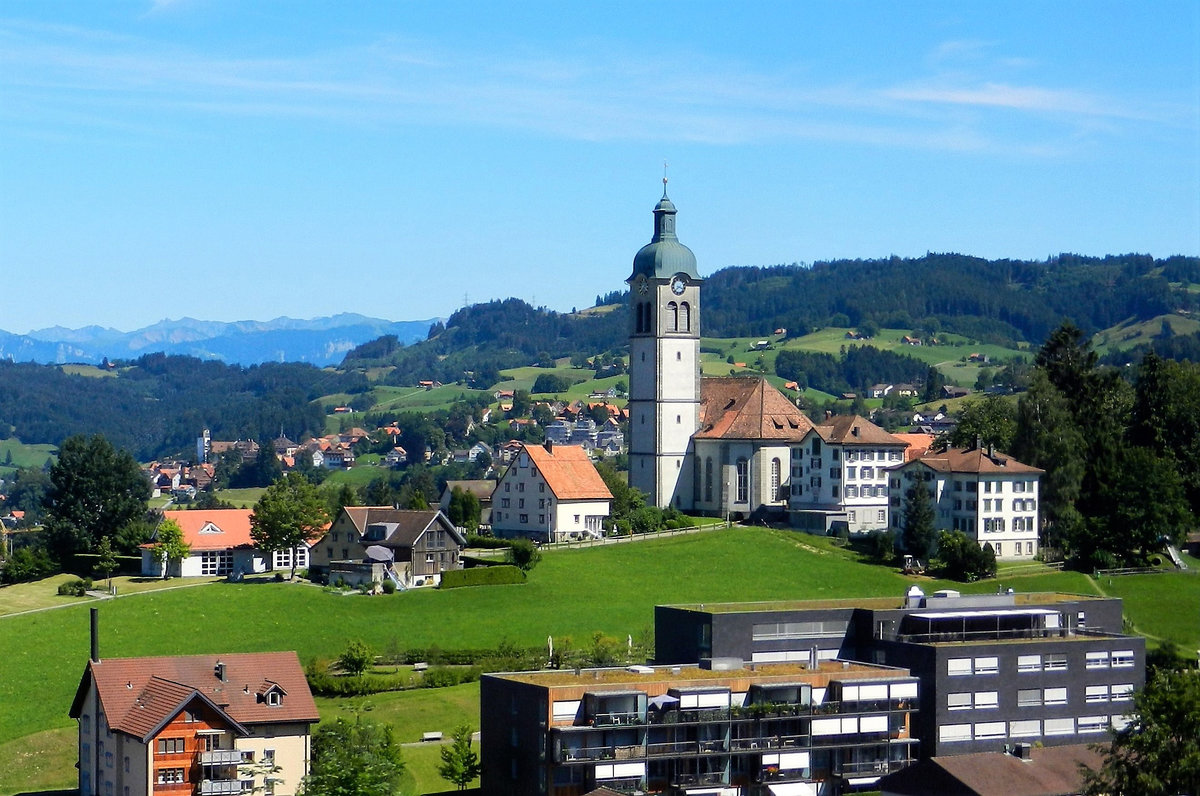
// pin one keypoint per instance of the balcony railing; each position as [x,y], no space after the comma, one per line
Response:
[689,780]
[589,753]
[221,757]
[219,787]
[617,719]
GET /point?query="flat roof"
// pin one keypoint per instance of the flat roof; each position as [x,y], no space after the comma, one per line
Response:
[876,603]
[774,673]
[969,614]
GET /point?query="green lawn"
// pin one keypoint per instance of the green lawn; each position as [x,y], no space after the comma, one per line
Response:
[570,595]
[242,498]
[1162,606]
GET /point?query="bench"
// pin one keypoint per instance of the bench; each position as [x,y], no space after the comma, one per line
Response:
[431,736]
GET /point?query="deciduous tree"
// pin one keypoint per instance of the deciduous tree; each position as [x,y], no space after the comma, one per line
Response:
[460,763]
[169,545]
[95,490]
[354,758]
[1158,753]
[288,514]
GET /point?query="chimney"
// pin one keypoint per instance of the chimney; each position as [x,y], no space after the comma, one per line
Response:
[219,670]
[95,635]
[549,446]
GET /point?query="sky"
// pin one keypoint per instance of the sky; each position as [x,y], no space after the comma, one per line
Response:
[230,160]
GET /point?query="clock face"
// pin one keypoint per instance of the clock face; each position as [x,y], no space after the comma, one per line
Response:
[643,286]
[677,286]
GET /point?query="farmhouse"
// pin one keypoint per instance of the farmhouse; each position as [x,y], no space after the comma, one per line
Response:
[370,543]
[204,724]
[550,493]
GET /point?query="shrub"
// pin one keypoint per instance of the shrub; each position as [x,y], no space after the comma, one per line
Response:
[356,658]
[75,588]
[482,576]
[485,542]
[523,554]
[389,586]
[446,676]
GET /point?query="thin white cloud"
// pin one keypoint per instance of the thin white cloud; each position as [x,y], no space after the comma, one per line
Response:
[594,93]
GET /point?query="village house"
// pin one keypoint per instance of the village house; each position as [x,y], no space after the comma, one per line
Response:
[551,493]
[220,545]
[481,488]
[371,543]
[204,724]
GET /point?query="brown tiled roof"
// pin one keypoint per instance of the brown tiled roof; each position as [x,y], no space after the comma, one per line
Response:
[409,523]
[569,472]
[854,430]
[1052,771]
[139,695]
[918,444]
[975,460]
[746,408]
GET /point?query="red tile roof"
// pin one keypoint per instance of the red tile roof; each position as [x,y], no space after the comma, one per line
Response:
[918,444]
[213,529]
[747,408]
[569,472]
[1051,771]
[140,695]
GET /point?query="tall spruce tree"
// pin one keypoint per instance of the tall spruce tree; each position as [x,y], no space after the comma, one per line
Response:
[919,535]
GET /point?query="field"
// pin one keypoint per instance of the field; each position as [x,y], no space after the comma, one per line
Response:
[1133,334]
[14,454]
[570,595]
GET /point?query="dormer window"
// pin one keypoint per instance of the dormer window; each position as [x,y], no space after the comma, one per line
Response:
[274,699]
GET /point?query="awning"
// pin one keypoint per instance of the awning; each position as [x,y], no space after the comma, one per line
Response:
[661,701]
[380,553]
[792,789]
[986,612]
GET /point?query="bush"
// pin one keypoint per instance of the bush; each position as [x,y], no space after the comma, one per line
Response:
[446,676]
[482,576]
[75,588]
[485,542]
[389,586]
[523,554]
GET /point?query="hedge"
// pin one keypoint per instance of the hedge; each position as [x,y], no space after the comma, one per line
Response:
[481,576]
[126,565]
[485,542]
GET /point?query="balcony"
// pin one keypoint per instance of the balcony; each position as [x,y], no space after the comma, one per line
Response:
[591,753]
[617,719]
[218,787]
[221,757]
[692,780]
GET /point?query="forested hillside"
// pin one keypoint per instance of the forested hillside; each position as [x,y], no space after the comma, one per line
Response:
[1000,301]
[158,404]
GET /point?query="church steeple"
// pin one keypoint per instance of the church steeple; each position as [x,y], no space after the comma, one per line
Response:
[664,256]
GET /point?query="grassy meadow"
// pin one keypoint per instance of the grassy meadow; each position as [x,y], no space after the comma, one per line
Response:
[570,595]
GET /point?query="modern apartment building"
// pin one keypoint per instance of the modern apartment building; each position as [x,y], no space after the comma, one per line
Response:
[722,729]
[993,669]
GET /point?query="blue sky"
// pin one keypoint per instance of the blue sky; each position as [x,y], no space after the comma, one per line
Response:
[244,160]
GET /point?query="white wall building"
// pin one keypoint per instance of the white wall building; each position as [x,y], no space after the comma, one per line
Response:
[551,493]
[839,475]
[988,495]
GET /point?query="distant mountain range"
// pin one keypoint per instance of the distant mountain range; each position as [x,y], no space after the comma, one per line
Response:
[320,341]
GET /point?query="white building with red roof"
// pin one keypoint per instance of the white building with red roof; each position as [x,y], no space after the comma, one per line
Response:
[220,545]
[986,494]
[551,493]
[196,724]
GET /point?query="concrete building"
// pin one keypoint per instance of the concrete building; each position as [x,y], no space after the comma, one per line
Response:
[988,495]
[994,669]
[717,730]
[551,493]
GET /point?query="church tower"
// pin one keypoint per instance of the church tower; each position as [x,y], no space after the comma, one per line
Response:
[664,364]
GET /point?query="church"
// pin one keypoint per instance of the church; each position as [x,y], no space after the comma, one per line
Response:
[712,445]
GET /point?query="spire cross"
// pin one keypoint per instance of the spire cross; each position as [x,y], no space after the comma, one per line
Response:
[664,179]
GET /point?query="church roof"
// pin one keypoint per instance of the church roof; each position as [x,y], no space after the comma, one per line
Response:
[664,256]
[979,461]
[746,408]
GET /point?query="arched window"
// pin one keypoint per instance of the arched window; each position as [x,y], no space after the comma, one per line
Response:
[708,470]
[685,316]
[743,481]
[673,316]
[775,494]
